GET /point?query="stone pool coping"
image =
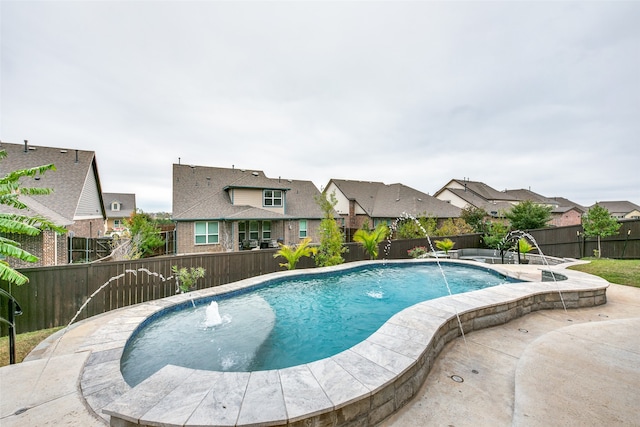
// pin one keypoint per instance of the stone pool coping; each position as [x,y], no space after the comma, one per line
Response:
[359,386]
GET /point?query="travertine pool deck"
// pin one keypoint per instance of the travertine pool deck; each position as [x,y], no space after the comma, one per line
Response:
[361,386]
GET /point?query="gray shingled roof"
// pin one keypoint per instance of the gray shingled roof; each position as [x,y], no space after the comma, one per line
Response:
[201,192]
[492,208]
[619,207]
[483,190]
[67,181]
[381,200]
[562,202]
[524,194]
[127,204]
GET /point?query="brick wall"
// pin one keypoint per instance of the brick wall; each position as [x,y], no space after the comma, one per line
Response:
[87,228]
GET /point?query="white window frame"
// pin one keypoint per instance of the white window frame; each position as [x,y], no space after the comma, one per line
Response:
[272,198]
[266,230]
[254,233]
[242,231]
[115,206]
[210,236]
[302,228]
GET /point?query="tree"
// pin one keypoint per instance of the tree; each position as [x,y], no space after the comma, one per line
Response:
[527,215]
[293,254]
[371,239]
[10,190]
[411,228]
[454,227]
[331,239]
[475,217]
[599,223]
[495,234]
[186,278]
[144,234]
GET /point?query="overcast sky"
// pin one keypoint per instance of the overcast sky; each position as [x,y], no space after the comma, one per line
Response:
[542,95]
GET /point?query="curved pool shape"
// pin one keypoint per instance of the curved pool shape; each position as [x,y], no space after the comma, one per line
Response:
[292,321]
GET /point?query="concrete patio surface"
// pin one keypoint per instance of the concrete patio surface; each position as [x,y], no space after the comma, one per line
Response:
[549,368]
[580,367]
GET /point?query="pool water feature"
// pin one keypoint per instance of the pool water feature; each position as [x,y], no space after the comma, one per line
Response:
[291,321]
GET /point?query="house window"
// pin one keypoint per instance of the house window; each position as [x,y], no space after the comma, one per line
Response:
[117,224]
[242,231]
[115,206]
[272,198]
[386,222]
[266,230]
[302,226]
[206,232]
[253,230]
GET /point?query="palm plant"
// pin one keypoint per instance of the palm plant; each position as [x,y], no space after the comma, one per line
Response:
[293,254]
[445,245]
[13,223]
[370,239]
[524,247]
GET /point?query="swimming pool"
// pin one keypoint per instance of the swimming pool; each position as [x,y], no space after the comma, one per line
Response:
[291,321]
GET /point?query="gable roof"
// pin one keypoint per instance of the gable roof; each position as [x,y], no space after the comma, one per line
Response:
[528,195]
[562,202]
[621,207]
[479,188]
[493,208]
[202,192]
[75,182]
[380,200]
[127,204]
[481,195]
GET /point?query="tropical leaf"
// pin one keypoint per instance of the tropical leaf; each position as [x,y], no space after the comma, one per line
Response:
[11,224]
[293,254]
[12,250]
[29,172]
[10,190]
[10,275]
[370,239]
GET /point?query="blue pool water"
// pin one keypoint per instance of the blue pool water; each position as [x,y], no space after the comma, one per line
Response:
[292,321]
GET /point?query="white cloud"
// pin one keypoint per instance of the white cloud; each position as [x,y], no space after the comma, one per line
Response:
[514,94]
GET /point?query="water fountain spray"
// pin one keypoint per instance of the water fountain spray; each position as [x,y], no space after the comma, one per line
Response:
[82,307]
[515,236]
[405,216]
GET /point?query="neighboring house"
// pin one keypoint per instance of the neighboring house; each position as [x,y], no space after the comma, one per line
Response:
[375,202]
[76,201]
[465,193]
[621,209]
[221,209]
[118,207]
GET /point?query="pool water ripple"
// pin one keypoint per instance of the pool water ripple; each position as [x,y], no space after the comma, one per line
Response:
[292,321]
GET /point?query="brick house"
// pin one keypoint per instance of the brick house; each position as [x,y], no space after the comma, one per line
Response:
[222,209]
[75,203]
[117,207]
[621,209]
[465,193]
[376,202]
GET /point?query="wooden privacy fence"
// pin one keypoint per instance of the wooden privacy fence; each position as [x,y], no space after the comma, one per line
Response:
[54,295]
[570,242]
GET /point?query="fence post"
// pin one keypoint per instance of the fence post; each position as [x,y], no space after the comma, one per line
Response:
[14,310]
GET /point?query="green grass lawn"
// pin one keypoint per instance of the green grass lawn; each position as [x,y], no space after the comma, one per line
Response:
[24,344]
[622,272]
